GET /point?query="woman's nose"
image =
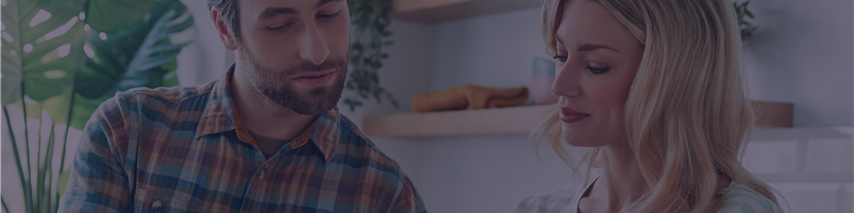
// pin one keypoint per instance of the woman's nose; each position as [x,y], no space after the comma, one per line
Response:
[567,80]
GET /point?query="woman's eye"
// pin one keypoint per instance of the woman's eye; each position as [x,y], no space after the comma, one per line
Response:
[597,70]
[560,58]
[327,16]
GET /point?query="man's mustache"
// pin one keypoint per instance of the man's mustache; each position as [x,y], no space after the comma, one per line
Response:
[307,66]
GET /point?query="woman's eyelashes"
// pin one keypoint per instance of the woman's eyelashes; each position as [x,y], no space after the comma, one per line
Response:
[592,69]
[597,70]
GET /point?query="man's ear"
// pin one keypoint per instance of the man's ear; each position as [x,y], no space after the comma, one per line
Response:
[222,29]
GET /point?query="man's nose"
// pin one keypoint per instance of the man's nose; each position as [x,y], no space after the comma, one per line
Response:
[312,46]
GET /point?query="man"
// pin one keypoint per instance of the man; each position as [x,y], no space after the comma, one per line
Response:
[266,137]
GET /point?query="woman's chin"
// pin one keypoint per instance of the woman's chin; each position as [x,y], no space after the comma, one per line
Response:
[580,141]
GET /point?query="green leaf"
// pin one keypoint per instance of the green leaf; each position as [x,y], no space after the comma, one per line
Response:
[171,78]
[135,58]
[27,192]
[352,103]
[5,208]
[112,16]
[57,108]
[29,58]
[34,110]
[144,57]
[62,181]
[370,22]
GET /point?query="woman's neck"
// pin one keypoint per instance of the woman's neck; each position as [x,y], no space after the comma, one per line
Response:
[622,180]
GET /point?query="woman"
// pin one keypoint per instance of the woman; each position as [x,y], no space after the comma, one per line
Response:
[654,86]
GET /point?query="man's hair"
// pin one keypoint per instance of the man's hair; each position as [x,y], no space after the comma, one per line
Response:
[228,11]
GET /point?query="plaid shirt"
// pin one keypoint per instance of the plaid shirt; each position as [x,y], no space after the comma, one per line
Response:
[177,150]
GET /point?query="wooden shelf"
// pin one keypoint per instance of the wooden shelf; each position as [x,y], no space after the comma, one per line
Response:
[515,120]
[434,11]
[453,123]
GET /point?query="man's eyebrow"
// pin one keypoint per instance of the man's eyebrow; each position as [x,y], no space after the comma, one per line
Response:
[274,11]
[271,12]
[324,2]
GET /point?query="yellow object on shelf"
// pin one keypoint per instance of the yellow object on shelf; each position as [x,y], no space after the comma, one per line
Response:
[469,97]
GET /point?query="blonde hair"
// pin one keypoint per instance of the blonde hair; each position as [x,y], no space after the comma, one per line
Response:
[686,118]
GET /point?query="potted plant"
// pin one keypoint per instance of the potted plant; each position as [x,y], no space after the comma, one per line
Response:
[63,59]
[746,27]
[369,33]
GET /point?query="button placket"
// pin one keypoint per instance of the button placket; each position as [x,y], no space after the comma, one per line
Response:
[261,174]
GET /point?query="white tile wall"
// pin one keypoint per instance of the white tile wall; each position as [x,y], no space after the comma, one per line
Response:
[847,198]
[813,169]
[774,157]
[830,156]
[808,197]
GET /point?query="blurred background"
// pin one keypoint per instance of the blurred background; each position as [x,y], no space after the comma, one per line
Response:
[801,53]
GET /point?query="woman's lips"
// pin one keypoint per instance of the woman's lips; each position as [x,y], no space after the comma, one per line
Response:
[568,115]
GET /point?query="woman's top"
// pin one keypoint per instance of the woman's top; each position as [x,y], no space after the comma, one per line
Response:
[737,199]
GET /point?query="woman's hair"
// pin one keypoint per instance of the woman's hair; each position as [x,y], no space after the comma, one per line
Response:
[686,118]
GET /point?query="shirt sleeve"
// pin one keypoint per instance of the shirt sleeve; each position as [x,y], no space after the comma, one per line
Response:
[528,205]
[98,182]
[747,205]
[408,200]
[740,199]
[558,201]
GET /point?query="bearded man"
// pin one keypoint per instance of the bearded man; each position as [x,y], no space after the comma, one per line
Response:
[266,137]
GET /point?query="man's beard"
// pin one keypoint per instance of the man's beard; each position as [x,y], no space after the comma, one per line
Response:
[273,84]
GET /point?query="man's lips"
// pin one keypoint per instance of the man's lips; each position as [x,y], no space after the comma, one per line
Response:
[315,74]
[314,79]
[571,116]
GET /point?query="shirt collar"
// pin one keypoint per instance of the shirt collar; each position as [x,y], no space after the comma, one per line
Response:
[325,133]
[218,117]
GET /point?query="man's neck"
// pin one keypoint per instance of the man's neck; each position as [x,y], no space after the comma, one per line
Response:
[270,124]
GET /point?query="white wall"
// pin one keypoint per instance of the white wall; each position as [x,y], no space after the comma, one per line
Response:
[802,54]
[494,50]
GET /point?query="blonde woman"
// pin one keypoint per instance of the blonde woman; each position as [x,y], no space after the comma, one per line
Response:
[654,87]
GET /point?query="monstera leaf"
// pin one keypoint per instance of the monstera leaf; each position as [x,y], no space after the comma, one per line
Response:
[66,57]
[114,15]
[41,48]
[141,57]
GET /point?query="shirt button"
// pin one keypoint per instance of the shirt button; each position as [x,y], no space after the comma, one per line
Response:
[156,205]
[261,175]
